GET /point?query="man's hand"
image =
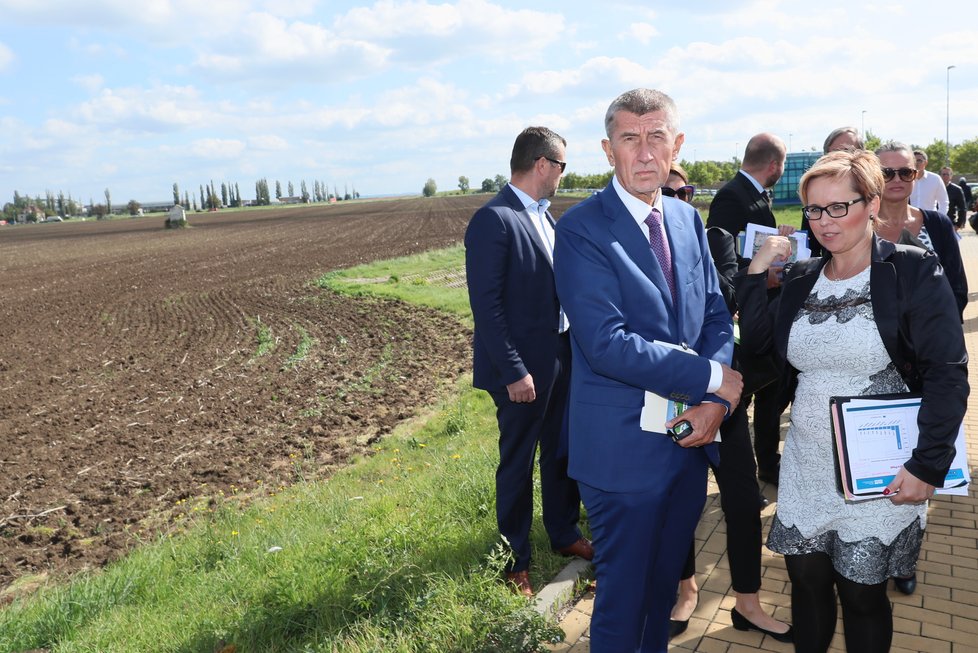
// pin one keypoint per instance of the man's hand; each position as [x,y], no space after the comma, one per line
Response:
[522,391]
[705,420]
[907,488]
[731,386]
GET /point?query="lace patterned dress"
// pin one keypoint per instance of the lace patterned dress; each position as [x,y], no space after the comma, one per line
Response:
[836,347]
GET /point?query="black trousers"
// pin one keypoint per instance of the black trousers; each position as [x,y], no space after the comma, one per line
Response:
[523,426]
[769,404]
[740,500]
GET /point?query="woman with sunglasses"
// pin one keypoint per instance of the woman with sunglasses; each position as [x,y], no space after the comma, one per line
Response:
[869,317]
[909,225]
[740,496]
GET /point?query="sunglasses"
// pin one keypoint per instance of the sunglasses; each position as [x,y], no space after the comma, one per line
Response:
[685,193]
[561,164]
[906,174]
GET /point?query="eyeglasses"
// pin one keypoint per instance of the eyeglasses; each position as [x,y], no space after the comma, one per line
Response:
[834,210]
[685,193]
[561,164]
[906,174]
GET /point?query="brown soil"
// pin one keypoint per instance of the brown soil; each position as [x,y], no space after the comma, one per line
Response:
[130,378]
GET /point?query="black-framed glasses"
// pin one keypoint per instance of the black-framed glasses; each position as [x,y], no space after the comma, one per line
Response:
[560,164]
[833,210]
[906,174]
[685,193]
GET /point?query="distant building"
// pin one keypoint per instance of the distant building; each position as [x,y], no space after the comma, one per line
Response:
[795,165]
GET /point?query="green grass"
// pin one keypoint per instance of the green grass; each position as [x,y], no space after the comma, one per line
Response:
[398,552]
[404,279]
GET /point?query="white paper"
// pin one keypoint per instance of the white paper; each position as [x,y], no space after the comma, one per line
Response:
[658,410]
[756,234]
[881,435]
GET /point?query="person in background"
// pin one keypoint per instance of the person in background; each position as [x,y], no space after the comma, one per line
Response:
[742,200]
[740,497]
[969,198]
[902,223]
[928,193]
[957,207]
[635,277]
[840,138]
[869,317]
[521,349]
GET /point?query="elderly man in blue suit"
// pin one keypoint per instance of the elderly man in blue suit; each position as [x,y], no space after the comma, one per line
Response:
[521,349]
[635,277]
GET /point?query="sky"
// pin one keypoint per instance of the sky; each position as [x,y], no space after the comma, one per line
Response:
[135,96]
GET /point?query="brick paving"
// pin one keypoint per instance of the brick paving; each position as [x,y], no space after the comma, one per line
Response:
[940,617]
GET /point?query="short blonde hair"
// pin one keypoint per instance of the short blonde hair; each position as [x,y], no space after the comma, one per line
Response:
[679,171]
[860,167]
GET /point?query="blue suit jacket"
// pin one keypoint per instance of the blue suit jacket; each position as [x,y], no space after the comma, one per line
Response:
[513,297]
[616,297]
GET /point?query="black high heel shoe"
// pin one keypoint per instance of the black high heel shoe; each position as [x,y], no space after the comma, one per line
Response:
[740,622]
[906,585]
[677,627]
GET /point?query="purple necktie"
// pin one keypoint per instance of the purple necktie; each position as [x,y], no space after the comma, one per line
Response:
[657,241]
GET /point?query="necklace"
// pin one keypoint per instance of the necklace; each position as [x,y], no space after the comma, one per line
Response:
[849,271]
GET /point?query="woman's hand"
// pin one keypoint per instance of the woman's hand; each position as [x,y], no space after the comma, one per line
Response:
[907,488]
[775,248]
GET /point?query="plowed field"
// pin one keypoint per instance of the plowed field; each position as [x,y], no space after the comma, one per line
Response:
[133,373]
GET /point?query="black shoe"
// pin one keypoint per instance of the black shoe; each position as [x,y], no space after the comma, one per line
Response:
[677,628]
[906,585]
[740,622]
[769,475]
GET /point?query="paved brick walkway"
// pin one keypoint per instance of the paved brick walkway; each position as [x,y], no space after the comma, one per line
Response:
[940,617]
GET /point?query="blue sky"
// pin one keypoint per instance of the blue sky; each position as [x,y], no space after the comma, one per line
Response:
[136,95]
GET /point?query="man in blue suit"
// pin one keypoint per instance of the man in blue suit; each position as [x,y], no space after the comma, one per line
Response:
[635,277]
[521,349]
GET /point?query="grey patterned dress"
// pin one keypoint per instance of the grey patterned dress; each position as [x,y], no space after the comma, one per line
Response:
[835,345]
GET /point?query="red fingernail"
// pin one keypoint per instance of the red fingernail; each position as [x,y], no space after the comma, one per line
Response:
[886,491]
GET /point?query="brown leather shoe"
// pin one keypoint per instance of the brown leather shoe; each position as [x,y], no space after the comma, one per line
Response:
[520,582]
[581,548]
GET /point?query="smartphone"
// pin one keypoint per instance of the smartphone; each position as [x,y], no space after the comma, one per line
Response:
[680,430]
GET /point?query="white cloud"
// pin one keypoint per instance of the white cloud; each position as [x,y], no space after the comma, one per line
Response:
[641,32]
[90,83]
[6,57]
[159,108]
[269,143]
[217,148]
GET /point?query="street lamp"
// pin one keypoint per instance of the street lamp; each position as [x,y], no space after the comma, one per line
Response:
[864,125]
[789,142]
[947,125]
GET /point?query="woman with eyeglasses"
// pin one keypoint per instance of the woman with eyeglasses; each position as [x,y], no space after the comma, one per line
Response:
[870,317]
[740,496]
[909,225]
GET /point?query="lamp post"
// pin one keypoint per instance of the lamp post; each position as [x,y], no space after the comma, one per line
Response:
[947,124]
[864,125]
[789,142]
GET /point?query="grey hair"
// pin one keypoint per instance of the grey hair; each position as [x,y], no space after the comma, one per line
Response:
[641,101]
[835,133]
[895,146]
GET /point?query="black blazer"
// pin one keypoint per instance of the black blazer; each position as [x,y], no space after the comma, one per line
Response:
[945,241]
[917,319]
[737,203]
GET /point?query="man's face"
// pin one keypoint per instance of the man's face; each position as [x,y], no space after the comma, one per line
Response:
[776,169]
[946,175]
[641,149]
[921,163]
[556,172]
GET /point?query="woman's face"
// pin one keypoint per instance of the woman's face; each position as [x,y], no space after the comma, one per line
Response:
[896,189]
[839,235]
[675,182]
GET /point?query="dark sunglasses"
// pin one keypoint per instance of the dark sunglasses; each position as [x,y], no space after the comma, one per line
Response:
[561,164]
[906,174]
[685,193]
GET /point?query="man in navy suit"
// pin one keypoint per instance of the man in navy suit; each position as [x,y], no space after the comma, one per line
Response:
[521,349]
[635,277]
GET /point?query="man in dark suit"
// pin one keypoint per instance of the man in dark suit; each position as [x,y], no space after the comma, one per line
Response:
[957,207]
[521,349]
[742,200]
[635,277]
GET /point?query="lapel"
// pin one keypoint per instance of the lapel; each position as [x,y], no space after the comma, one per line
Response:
[633,241]
[793,295]
[884,295]
[527,221]
[758,205]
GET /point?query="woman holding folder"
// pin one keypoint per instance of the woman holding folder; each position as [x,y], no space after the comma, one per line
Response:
[869,317]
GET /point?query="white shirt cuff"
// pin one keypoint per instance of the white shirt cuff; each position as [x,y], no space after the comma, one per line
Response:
[716,377]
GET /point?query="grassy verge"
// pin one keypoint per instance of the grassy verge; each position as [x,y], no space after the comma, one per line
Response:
[398,552]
